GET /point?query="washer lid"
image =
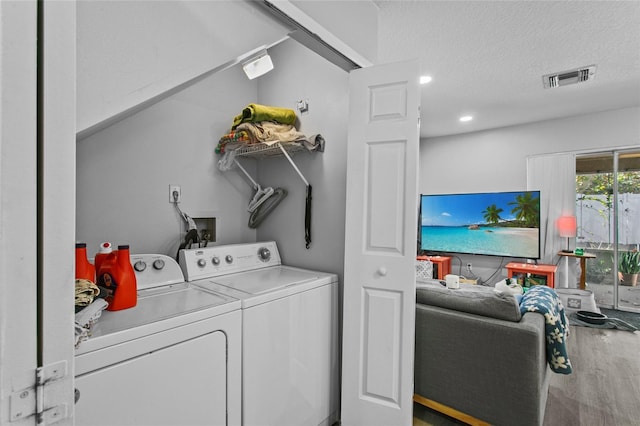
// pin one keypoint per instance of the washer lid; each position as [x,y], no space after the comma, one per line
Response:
[154,306]
[256,282]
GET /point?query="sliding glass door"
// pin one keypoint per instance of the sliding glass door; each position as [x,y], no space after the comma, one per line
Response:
[608,215]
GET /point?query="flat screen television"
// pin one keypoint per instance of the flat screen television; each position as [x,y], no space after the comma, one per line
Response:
[490,223]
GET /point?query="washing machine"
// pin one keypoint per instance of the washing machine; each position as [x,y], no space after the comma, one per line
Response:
[290,354]
[173,359]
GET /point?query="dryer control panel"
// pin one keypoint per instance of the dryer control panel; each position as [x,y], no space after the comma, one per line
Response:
[155,270]
[213,261]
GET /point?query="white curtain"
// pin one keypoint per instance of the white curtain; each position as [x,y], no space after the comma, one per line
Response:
[554,175]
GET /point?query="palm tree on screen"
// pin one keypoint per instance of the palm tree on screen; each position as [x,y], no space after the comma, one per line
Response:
[526,209]
[492,214]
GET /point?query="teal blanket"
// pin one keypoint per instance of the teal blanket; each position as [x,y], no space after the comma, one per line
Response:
[544,300]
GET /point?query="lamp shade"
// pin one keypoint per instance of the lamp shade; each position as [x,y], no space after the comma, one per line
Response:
[567,226]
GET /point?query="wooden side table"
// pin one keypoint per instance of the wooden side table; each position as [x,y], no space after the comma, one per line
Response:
[443,264]
[583,265]
[549,271]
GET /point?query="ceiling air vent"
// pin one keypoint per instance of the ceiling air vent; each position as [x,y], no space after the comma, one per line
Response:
[564,78]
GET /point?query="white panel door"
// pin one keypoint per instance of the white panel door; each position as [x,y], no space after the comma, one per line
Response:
[380,246]
[37,211]
[18,279]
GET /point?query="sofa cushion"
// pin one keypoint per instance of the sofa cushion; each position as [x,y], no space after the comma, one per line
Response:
[473,299]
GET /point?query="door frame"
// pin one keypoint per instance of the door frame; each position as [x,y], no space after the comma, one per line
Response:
[614,153]
[57,198]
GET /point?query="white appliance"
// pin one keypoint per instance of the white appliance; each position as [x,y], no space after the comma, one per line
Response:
[173,359]
[290,352]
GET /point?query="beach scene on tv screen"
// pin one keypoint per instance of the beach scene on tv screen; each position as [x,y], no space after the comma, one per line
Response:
[498,224]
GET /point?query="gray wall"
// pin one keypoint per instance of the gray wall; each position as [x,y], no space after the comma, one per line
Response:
[301,74]
[124,171]
[495,160]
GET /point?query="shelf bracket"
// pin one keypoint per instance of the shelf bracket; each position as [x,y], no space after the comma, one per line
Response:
[286,154]
[255,184]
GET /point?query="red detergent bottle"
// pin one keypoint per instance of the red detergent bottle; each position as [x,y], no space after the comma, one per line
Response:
[84,269]
[105,249]
[117,278]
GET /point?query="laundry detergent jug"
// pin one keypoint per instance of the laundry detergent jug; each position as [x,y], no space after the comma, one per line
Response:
[84,269]
[105,250]
[117,278]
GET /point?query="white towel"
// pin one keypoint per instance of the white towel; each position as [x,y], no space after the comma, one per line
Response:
[503,287]
[86,318]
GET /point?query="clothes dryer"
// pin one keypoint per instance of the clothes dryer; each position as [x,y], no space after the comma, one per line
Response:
[290,356]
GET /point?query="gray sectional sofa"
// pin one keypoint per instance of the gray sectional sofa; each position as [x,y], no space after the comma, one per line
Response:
[477,358]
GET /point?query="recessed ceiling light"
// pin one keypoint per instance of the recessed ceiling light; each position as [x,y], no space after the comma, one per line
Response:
[466,118]
[425,79]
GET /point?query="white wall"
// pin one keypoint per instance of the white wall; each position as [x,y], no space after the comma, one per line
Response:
[495,160]
[301,74]
[124,171]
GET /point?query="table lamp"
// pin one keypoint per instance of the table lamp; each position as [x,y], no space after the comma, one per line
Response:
[567,228]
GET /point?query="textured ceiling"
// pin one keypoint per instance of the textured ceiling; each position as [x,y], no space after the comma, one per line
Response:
[487,58]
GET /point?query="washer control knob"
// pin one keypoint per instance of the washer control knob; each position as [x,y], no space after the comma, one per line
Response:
[228,258]
[215,260]
[264,254]
[202,263]
[140,266]
[158,264]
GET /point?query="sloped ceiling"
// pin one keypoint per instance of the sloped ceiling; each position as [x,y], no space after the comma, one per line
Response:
[487,58]
[130,53]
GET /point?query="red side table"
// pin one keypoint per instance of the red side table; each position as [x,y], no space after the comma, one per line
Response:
[549,271]
[443,264]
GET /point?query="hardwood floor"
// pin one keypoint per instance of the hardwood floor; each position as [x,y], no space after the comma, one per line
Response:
[603,390]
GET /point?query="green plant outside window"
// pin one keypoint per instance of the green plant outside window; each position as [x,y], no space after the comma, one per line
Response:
[630,262]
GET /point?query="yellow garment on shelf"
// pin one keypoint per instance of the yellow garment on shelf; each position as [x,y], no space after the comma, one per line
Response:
[256,112]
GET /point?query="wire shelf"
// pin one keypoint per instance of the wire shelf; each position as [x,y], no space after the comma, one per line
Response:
[262,150]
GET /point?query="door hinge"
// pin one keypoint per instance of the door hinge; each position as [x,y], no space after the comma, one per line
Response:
[30,401]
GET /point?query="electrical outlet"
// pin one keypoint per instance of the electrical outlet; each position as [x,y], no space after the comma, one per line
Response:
[173,198]
[469,267]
